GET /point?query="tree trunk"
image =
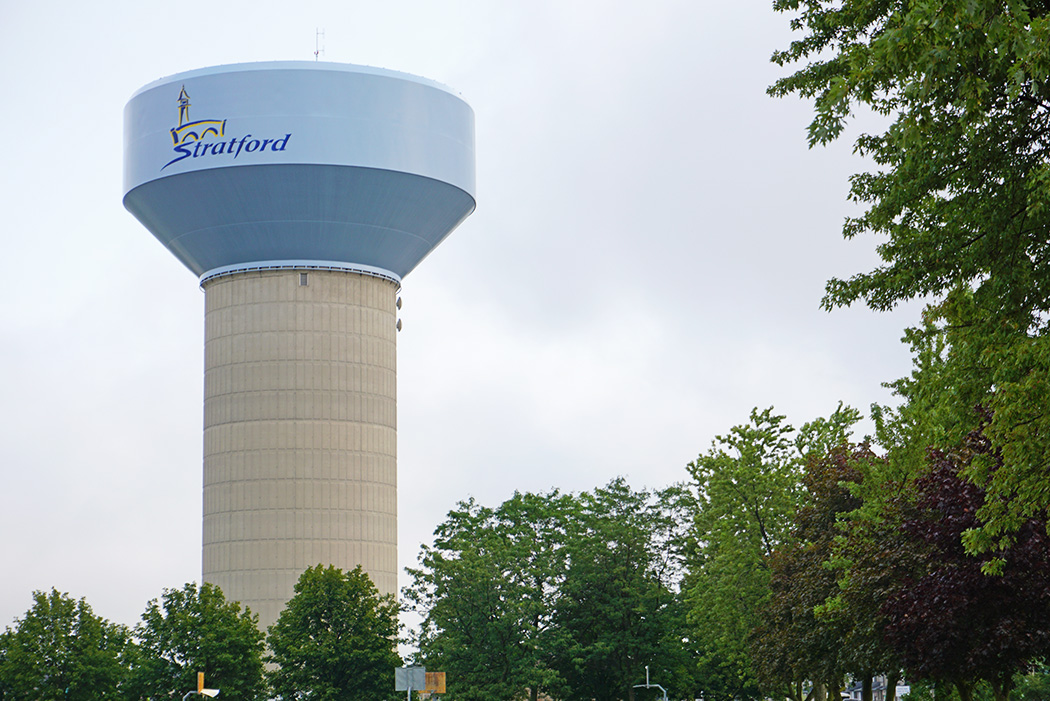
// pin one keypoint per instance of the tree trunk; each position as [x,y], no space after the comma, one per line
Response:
[891,685]
[965,691]
[820,692]
[534,693]
[1001,688]
[865,688]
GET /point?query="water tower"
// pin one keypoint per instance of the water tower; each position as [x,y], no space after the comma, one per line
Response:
[300,194]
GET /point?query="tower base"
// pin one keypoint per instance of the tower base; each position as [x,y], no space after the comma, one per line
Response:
[300,431]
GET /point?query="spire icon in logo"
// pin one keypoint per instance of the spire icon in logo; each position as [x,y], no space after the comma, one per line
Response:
[194,131]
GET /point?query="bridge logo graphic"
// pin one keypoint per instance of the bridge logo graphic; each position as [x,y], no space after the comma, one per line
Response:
[188,131]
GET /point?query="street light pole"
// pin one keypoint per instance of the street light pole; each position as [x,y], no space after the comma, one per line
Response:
[647,685]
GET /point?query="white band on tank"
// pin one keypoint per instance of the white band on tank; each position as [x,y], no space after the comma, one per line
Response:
[369,270]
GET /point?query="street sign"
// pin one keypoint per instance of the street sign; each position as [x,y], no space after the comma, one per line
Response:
[436,682]
[410,678]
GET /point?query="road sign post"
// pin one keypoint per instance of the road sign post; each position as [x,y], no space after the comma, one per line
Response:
[409,679]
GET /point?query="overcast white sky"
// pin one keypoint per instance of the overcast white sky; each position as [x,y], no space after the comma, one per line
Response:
[645,265]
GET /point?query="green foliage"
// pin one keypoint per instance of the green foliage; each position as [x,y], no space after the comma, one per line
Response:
[797,639]
[959,200]
[748,489]
[871,558]
[616,602]
[335,640]
[487,588]
[1034,686]
[60,650]
[191,630]
[569,596]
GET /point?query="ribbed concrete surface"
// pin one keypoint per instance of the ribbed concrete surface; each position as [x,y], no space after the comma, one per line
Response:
[300,444]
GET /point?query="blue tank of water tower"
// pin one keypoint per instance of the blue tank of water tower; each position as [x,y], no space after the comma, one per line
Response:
[298,164]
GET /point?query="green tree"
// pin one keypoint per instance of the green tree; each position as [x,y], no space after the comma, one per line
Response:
[1034,686]
[61,650]
[5,644]
[617,602]
[486,589]
[747,493]
[959,198]
[195,629]
[534,531]
[748,489]
[335,640]
[872,558]
[806,633]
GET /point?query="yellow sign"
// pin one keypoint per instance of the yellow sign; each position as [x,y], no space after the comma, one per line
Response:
[436,682]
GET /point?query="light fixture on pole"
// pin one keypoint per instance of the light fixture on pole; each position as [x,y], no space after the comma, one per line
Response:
[647,685]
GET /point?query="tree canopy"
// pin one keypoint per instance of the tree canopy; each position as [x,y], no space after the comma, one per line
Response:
[60,650]
[748,490]
[795,640]
[195,629]
[951,622]
[335,640]
[959,201]
[487,588]
[616,600]
[570,596]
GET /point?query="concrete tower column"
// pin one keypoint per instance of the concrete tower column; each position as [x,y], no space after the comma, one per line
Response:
[300,442]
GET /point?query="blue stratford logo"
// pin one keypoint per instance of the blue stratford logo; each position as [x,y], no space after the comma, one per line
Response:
[207,137]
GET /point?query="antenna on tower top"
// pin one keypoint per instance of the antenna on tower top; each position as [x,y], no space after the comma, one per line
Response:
[318,48]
